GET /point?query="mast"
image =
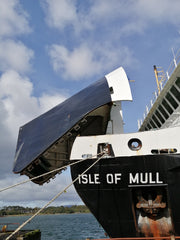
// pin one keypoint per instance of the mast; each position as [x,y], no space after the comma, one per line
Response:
[157,80]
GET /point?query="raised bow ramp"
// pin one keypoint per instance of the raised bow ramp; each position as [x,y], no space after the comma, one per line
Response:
[45,143]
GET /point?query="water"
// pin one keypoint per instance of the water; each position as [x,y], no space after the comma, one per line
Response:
[64,227]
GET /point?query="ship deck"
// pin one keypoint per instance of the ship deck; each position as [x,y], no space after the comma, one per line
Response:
[164,110]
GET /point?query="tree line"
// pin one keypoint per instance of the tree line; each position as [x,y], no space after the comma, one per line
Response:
[19,210]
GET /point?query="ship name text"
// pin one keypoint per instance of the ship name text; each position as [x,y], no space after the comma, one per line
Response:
[116,178]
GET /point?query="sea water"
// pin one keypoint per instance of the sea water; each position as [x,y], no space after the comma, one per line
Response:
[62,226]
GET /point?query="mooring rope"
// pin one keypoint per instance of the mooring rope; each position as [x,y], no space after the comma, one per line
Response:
[44,174]
[54,198]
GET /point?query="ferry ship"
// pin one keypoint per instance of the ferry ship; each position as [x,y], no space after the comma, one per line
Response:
[129,181]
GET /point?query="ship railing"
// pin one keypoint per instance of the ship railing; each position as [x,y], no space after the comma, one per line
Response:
[164,78]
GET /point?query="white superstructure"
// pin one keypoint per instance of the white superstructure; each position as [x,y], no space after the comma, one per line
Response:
[164,112]
[130,144]
[120,91]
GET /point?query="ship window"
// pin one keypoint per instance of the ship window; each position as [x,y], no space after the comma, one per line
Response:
[175,92]
[135,144]
[166,105]
[178,82]
[161,109]
[171,100]
[152,124]
[164,150]
[86,156]
[159,117]
[111,90]
[156,121]
[149,127]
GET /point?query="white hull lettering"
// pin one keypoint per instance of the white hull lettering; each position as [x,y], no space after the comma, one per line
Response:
[144,178]
[115,178]
[94,178]
[133,179]
[89,179]
[157,178]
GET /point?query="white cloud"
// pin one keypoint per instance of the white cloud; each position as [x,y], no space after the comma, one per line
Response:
[22,194]
[85,61]
[135,16]
[107,10]
[13,18]
[60,13]
[74,65]
[14,59]
[17,107]
[15,55]
[16,96]
[140,15]
[140,10]
[158,11]
[6,143]
[48,101]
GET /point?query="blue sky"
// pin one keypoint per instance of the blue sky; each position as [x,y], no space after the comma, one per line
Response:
[51,49]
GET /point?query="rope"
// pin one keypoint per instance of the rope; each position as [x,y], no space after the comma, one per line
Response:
[54,198]
[44,174]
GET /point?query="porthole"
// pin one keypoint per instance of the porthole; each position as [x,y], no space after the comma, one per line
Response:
[135,144]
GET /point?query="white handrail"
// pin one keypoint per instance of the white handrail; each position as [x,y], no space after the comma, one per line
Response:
[169,72]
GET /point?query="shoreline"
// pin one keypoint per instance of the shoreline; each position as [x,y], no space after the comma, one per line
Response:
[19,215]
[26,211]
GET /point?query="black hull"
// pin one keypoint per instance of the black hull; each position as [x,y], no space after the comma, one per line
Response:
[111,188]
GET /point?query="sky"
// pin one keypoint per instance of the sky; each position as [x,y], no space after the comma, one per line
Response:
[52,49]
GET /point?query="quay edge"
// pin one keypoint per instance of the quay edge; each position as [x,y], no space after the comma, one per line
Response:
[22,235]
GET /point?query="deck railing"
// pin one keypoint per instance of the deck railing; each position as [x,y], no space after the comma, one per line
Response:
[170,70]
